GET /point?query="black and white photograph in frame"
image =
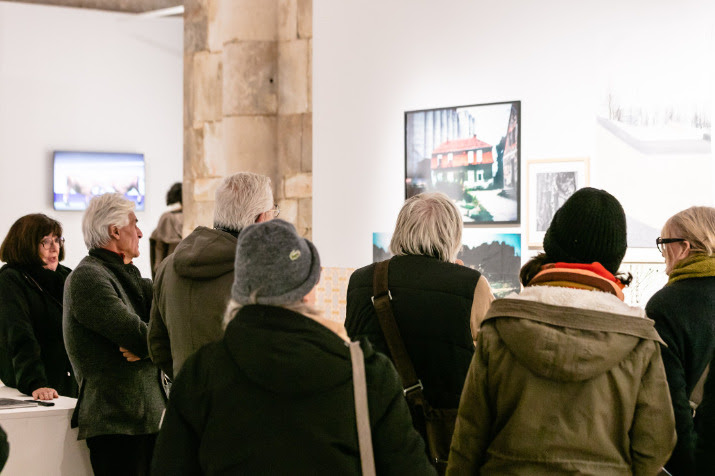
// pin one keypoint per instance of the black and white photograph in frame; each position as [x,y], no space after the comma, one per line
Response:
[472,154]
[550,183]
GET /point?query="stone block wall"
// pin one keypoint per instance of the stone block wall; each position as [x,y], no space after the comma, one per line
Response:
[248,102]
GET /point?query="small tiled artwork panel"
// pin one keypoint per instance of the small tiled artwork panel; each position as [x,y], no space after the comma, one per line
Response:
[648,278]
[331,292]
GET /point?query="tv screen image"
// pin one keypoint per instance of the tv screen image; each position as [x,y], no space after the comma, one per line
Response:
[472,154]
[79,176]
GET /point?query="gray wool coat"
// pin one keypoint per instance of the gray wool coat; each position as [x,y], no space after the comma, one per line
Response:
[106,305]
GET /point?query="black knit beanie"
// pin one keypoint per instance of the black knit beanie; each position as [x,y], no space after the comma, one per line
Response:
[590,226]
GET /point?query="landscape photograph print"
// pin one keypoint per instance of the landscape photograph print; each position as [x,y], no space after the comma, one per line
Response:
[496,255]
[472,154]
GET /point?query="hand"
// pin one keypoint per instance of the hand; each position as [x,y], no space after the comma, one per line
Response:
[128,355]
[45,393]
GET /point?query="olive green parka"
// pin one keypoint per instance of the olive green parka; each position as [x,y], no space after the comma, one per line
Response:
[564,381]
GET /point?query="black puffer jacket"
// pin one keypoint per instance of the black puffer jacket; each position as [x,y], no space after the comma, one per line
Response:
[32,351]
[684,315]
[431,301]
[275,396]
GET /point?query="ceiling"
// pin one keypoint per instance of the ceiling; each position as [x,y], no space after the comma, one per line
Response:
[126,6]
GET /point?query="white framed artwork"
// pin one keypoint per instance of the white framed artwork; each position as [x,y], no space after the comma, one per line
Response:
[648,279]
[549,183]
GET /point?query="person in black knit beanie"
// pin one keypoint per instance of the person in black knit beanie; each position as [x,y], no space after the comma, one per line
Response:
[566,378]
[591,226]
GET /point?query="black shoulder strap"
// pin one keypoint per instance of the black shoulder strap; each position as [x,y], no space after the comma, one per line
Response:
[381,300]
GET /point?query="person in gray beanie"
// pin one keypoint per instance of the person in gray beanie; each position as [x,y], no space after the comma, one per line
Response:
[289,270]
[275,395]
[566,378]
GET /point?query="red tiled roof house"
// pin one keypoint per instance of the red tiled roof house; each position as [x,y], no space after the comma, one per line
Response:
[466,161]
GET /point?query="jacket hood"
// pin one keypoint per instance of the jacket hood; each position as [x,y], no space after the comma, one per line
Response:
[205,254]
[287,353]
[569,335]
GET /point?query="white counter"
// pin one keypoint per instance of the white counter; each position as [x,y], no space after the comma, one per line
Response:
[41,440]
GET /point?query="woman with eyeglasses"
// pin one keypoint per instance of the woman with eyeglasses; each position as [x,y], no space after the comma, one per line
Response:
[684,315]
[33,358]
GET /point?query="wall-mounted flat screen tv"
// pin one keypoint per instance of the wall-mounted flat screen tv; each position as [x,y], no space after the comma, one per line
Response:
[79,176]
[471,153]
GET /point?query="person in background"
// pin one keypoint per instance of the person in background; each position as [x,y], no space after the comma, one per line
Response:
[105,320]
[275,394]
[167,235]
[566,377]
[33,358]
[437,303]
[684,315]
[193,285]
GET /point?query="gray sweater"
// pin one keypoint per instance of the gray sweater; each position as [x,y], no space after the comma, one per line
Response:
[106,305]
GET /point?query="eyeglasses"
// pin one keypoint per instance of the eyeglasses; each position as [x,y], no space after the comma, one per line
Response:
[47,242]
[276,211]
[659,242]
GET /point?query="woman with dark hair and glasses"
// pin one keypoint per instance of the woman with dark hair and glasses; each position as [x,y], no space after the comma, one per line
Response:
[684,315]
[32,352]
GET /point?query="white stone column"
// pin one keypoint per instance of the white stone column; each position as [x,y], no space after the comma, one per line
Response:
[248,103]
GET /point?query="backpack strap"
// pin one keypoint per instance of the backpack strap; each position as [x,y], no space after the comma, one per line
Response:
[382,301]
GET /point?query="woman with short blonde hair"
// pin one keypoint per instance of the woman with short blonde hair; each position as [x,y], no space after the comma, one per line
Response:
[683,315]
[696,225]
[429,224]
[437,302]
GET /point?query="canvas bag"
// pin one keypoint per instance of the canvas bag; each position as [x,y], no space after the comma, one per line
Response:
[436,425]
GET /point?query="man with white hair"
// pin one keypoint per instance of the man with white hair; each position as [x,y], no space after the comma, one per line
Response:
[193,284]
[105,315]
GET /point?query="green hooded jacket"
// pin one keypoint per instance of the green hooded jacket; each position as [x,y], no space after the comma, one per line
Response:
[564,381]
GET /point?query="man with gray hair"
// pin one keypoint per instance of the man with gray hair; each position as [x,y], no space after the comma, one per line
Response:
[193,284]
[105,316]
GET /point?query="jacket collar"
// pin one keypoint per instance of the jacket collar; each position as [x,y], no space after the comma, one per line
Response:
[591,277]
[576,309]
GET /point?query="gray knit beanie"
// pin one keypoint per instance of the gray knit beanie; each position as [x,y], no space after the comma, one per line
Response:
[274,265]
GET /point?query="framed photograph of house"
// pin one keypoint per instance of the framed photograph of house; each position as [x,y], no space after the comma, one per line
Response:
[471,153]
[549,184]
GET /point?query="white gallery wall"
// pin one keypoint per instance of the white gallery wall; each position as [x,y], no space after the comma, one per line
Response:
[374,59]
[76,79]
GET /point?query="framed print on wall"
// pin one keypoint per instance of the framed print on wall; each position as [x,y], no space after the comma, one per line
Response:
[496,255]
[472,154]
[648,279]
[550,182]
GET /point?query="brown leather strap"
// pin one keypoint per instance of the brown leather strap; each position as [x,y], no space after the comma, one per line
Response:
[381,300]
